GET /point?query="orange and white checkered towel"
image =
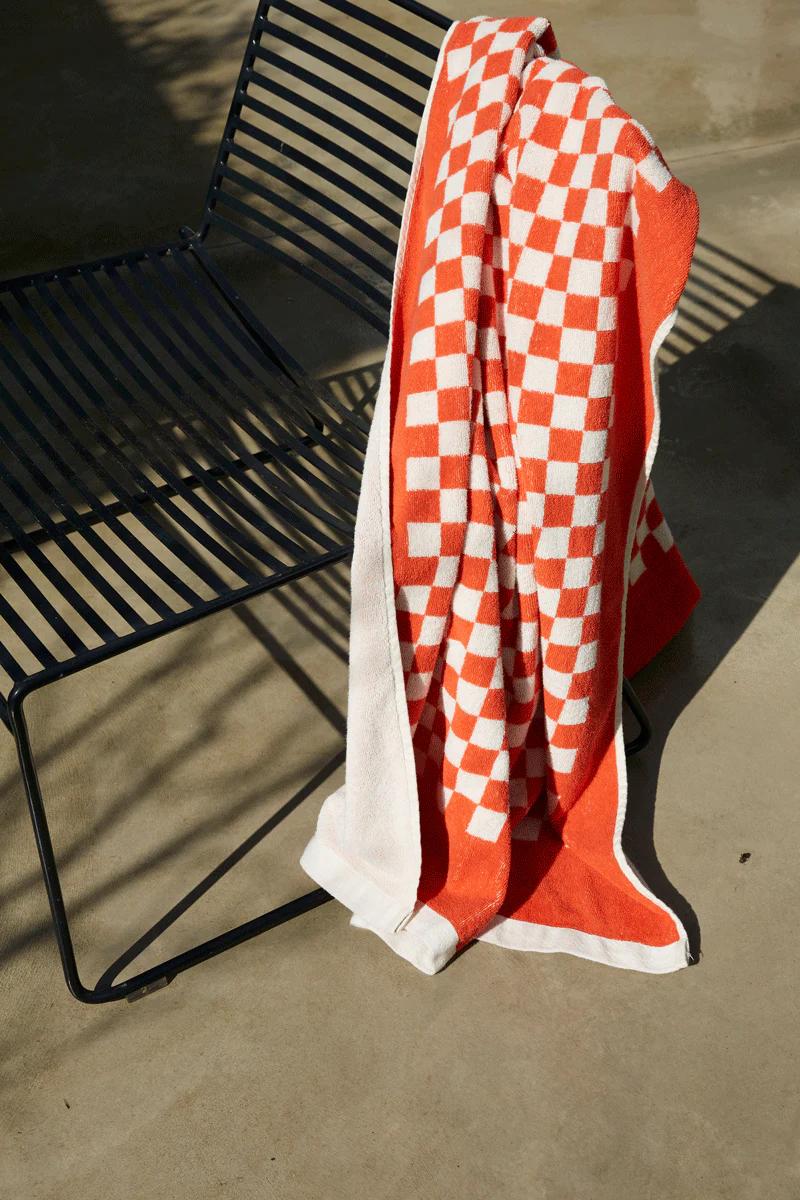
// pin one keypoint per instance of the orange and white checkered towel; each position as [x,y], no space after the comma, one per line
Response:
[507,524]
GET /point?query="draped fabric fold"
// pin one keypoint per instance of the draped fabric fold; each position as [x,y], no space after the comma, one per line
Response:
[511,561]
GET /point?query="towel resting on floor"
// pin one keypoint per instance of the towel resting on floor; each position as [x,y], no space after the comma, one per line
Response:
[511,562]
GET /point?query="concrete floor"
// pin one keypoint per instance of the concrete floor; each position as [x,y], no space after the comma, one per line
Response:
[312,1064]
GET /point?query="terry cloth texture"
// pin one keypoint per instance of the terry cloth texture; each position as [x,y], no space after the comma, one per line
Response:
[511,561]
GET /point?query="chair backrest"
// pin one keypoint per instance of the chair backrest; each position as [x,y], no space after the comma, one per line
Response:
[315,157]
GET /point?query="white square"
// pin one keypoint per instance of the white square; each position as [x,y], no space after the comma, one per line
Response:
[583,171]
[572,137]
[488,733]
[466,602]
[486,824]
[540,374]
[534,266]
[569,412]
[561,478]
[424,539]
[585,277]
[423,474]
[587,657]
[612,243]
[423,345]
[593,600]
[453,505]
[479,540]
[578,345]
[452,371]
[593,446]
[574,712]
[458,62]
[449,245]
[561,98]
[585,510]
[552,202]
[566,238]
[484,640]
[602,380]
[548,600]
[519,331]
[432,631]
[562,760]
[455,185]
[551,307]
[470,697]
[463,129]
[577,572]
[567,631]
[607,313]
[554,542]
[448,306]
[433,228]
[454,437]
[471,785]
[422,408]
[557,683]
[413,598]
[533,441]
[537,159]
[595,211]
[454,748]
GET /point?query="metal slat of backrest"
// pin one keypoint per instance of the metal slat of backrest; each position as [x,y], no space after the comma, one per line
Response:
[314,161]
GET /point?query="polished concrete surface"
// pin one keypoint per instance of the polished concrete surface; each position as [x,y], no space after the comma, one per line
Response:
[311,1064]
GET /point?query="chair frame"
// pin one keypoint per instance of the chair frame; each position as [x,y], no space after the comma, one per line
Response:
[12,709]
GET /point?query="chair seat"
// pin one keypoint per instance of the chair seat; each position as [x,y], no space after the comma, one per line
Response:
[160,458]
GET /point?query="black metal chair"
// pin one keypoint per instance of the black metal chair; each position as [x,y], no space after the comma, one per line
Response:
[163,456]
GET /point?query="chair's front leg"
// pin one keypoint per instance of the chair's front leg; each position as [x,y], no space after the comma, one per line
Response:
[44,845]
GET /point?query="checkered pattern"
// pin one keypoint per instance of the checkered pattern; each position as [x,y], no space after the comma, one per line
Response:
[501,436]
[652,536]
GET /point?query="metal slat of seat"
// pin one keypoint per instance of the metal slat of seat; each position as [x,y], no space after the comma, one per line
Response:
[37,597]
[329,232]
[76,522]
[12,668]
[264,497]
[353,428]
[340,182]
[126,536]
[352,41]
[176,351]
[302,243]
[210,482]
[299,445]
[129,468]
[159,399]
[157,462]
[364,109]
[315,136]
[21,540]
[348,69]
[25,634]
[377,320]
[309,192]
[392,29]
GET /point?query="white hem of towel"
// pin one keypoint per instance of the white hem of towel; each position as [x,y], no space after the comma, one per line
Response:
[428,941]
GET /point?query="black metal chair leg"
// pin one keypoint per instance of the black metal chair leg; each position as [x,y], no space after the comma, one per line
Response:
[638,743]
[164,972]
